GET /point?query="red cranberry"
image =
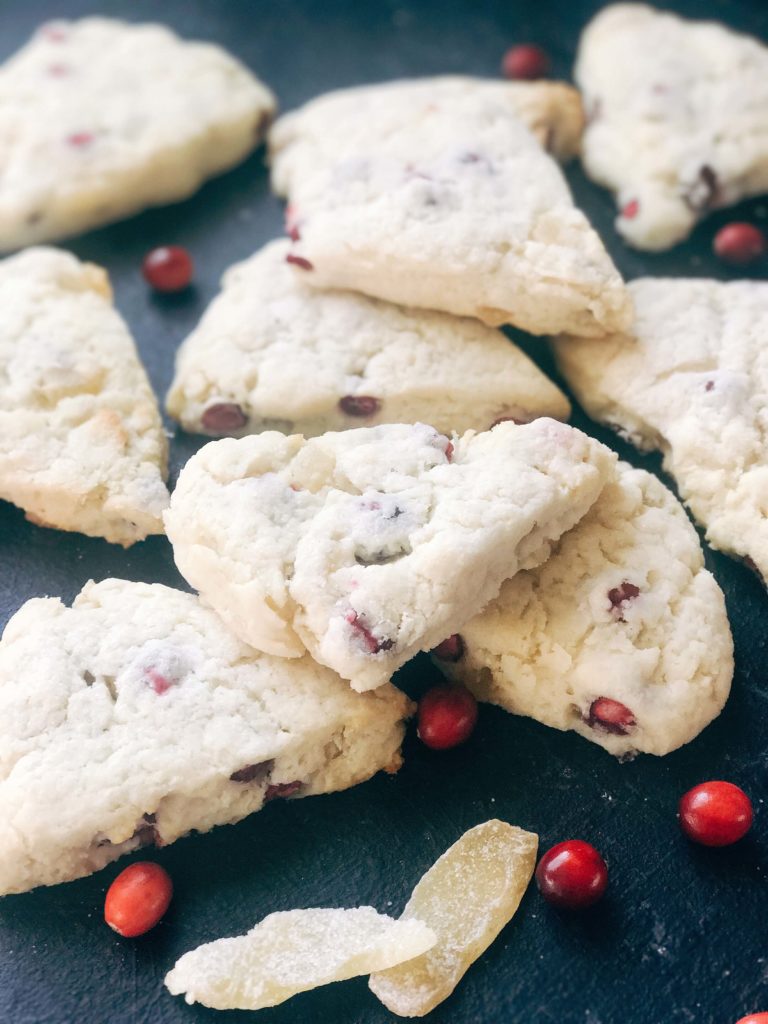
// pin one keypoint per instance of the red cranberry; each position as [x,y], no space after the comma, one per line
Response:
[740,243]
[168,268]
[447,716]
[525,61]
[281,789]
[449,451]
[299,261]
[251,772]
[223,418]
[572,875]
[450,649]
[137,899]
[754,1018]
[621,595]
[159,683]
[371,643]
[611,715]
[80,139]
[630,210]
[359,405]
[292,223]
[715,813]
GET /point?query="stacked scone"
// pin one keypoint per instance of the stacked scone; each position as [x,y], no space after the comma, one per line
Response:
[392,475]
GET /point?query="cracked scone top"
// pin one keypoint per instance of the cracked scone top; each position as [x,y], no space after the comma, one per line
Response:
[677,118]
[271,352]
[447,204]
[367,546]
[135,717]
[692,381]
[621,635]
[100,118]
[81,441]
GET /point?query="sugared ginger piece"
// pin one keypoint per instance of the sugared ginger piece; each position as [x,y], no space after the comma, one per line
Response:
[467,896]
[294,951]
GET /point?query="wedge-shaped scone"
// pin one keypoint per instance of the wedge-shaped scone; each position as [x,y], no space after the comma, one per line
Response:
[134,717]
[81,441]
[293,951]
[321,129]
[367,546]
[449,205]
[677,118]
[273,353]
[621,635]
[100,118]
[692,381]
[467,897]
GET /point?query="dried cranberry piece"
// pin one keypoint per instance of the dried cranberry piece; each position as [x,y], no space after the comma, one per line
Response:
[359,405]
[630,210]
[621,595]
[299,261]
[451,649]
[281,789]
[292,223]
[252,772]
[449,450]
[611,715]
[157,681]
[371,643]
[224,418]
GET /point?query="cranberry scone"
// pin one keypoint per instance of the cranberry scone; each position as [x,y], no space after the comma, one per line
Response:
[621,635]
[319,130]
[273,353]
[81,441]
[677,118]
[367,546]
[100,118]
[692,381]
[446,204]
[135,717]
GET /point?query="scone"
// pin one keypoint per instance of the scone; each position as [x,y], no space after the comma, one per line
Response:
[621,635]
[692,381]
[317,131]
[273,353]
[81,441]
[100,118]
[677,118]
[367,546]
[134,717]
[448,204]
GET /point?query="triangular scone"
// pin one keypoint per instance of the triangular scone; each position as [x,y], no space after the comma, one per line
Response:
[272,353]
[621,635]
[135,716]
[455,206]
[341,121]
[81,441]
[367,546]
[100,118]
[677,118]
[691,381]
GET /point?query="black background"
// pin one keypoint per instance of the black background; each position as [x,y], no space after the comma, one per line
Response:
[682,934]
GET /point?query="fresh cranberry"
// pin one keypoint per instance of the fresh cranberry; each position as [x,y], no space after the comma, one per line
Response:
[740,243]
[754,1018]
[572,875]
[630,210]
[525,61]
[251,772]
[371,643]
[447,716]
[621,595]
[299,261]
[450,649]
[80,139]
[359,405]
[137,899]
[223,418]
[611,715]
[281,789]
[715,813]
[159,683]
[168,268]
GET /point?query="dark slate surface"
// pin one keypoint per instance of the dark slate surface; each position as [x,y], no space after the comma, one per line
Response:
[682,935]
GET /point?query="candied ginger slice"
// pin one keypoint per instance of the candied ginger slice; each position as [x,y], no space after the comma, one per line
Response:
[292,951]
[466,897]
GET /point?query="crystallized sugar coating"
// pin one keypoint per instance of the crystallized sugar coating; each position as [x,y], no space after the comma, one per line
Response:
[81,441]
[293,951]
[623,611]
[319,130]
[467,897]
[100,118]
[677,118]
[692,381]
[277,354]
[446,204]
[367,546]
[135,717]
